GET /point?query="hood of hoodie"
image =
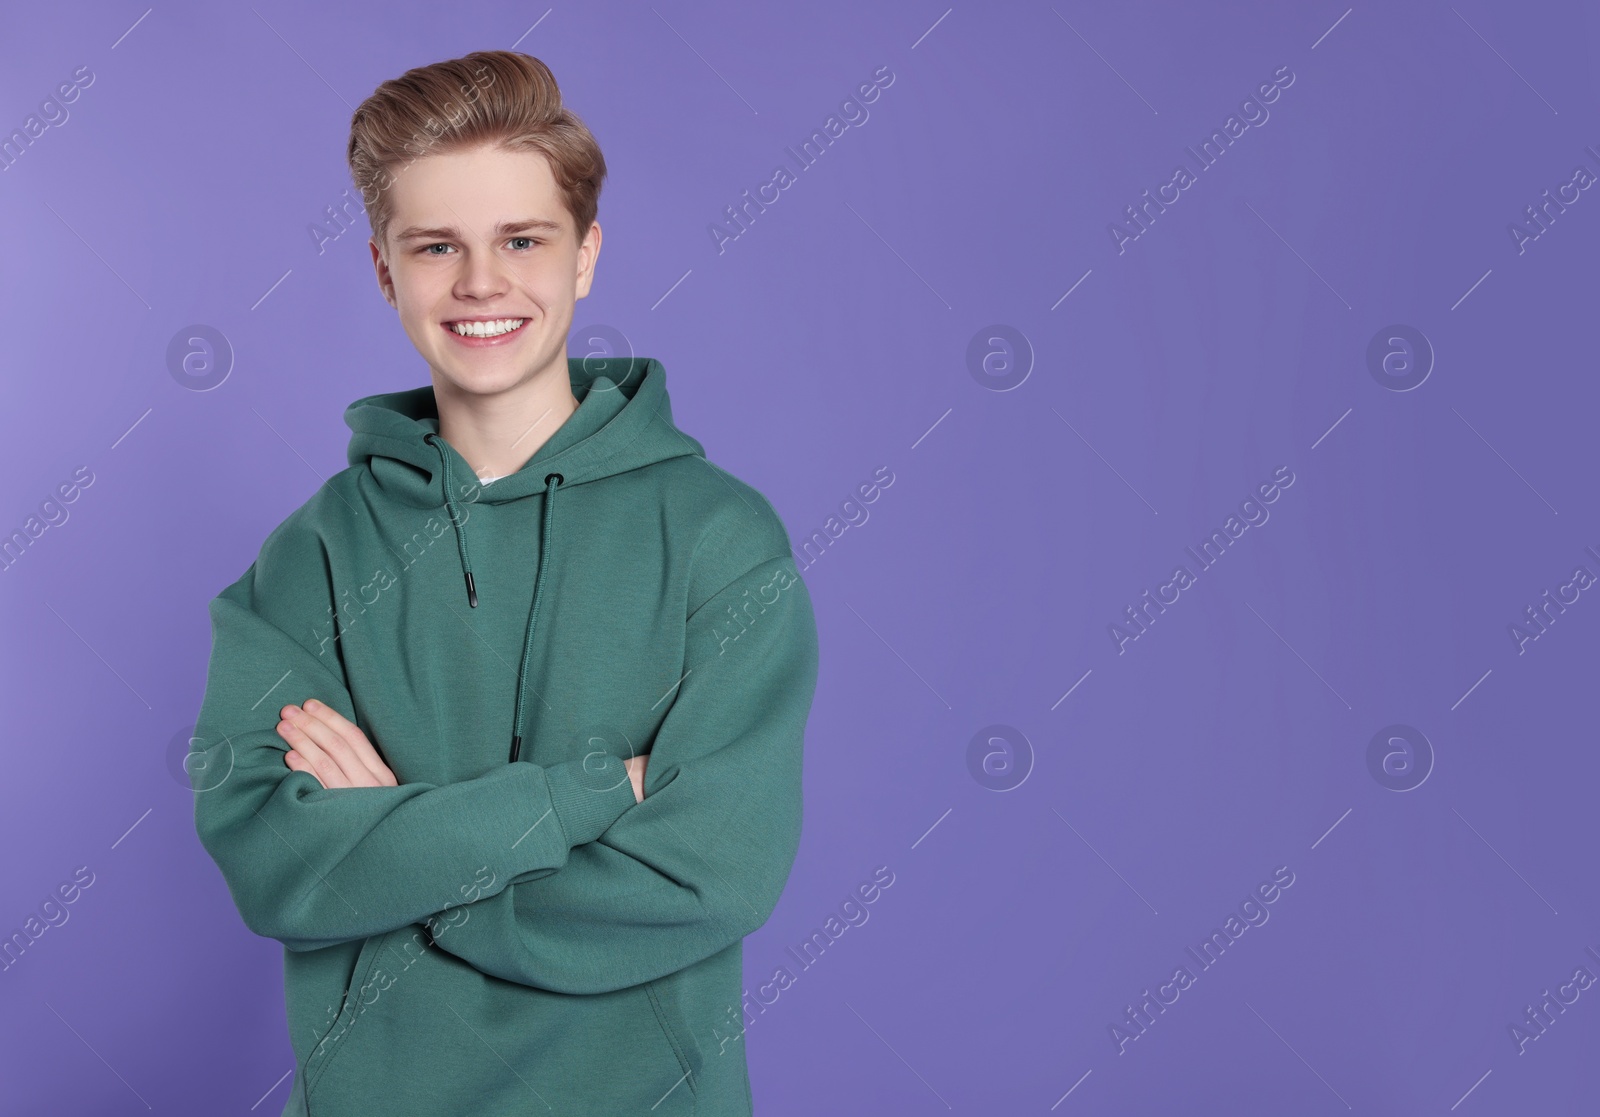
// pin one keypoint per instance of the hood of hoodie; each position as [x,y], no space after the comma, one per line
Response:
[623,421]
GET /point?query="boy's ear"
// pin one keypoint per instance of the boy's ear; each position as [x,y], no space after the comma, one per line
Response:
[385,280]
[588,253]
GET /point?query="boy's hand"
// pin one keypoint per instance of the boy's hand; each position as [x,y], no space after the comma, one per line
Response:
[636,766]
[331,747]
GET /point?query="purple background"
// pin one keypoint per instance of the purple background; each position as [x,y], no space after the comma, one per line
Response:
[831,339]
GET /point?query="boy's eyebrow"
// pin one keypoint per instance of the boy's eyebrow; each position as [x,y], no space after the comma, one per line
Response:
[504,228]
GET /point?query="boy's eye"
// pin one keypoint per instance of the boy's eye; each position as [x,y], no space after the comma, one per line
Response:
[515,242]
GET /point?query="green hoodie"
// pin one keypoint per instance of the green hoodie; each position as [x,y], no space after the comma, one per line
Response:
[508,931]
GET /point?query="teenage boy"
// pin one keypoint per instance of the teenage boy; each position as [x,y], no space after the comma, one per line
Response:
[502,730]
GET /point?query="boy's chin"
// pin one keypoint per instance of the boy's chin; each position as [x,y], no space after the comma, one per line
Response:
[485,381]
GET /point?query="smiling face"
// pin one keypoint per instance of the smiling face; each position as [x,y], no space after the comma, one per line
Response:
[481,243]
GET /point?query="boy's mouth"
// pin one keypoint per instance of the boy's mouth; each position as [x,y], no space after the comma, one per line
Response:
[485,328]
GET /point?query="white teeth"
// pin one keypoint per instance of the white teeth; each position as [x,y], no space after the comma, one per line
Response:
[487,329]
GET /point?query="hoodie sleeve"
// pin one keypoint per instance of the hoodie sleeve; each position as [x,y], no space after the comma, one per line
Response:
[312,866]
[701,861]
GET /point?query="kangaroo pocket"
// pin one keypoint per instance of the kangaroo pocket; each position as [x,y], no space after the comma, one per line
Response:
[664,999]
[425,1034]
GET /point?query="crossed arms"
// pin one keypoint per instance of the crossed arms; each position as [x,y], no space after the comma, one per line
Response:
[329,747]
[594,885]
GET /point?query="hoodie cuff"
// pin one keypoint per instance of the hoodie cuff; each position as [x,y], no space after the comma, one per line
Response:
[589,794]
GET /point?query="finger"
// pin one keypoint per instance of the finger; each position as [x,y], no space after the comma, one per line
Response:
[325,748]
[334,766]
[635,767]
[293,728]
[344,742]
[299,764]
[298,760]
[309,758]
[350,733]
[303,754]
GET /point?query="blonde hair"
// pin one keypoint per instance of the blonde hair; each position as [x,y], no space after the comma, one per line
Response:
[499,97]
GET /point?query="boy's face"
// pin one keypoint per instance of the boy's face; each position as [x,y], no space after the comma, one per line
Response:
[484,234]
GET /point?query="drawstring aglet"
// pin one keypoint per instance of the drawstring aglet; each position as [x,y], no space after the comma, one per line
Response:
[516,747]
[472,590]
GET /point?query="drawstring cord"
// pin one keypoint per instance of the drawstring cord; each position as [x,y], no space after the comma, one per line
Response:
[551,480]
[450,503]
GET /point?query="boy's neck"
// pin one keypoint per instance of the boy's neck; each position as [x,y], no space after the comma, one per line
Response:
[497,434]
